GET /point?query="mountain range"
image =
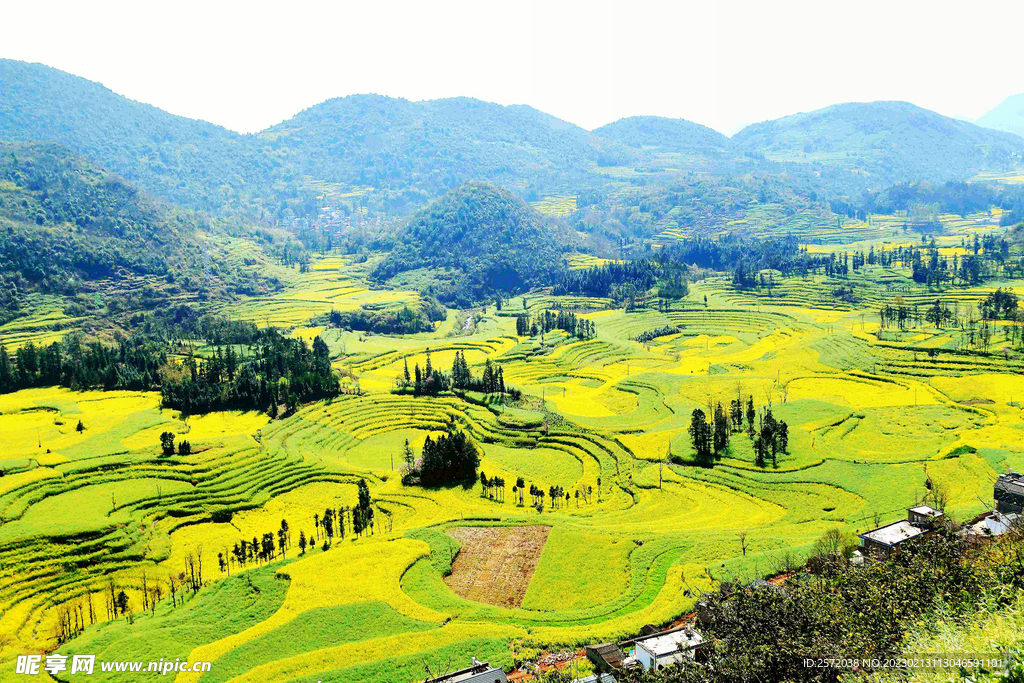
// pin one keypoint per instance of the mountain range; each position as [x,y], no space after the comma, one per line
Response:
[1008,116]
[413,152]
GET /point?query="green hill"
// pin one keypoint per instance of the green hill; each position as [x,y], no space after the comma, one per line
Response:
[191,163]
[370,140]
[890,140]
[66,225]
[665,135]
[1008,116]
[479,239]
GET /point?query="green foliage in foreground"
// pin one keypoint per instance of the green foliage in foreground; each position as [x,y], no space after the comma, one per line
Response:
[764,633]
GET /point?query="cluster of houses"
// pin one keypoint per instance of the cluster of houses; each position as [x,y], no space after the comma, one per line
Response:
[1008,512]
[655,649]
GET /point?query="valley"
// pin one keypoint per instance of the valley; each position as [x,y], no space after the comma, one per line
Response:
[391,385]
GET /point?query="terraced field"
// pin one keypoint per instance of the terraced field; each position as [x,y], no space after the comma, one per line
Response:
[875,423]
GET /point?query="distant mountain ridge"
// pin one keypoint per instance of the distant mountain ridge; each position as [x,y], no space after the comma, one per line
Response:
[183,160]
[664,135]
[892,140]
[410,153]
[436,144]
[1007,116]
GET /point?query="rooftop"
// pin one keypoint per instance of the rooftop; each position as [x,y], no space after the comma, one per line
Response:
[893,534]
[669,643]
[479,672]
[609,652]
[925,510]
[1012,482]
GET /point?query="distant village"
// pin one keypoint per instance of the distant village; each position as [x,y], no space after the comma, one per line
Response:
[656,648]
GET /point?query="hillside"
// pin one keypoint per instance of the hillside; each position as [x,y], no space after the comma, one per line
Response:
[191,163]
[485,239]
[890,140]
[665,135]
[370,140]
[1008,116]
[66,224]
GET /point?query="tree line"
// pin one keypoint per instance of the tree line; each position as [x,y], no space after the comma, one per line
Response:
[581,328]
[275,370]
[430,381]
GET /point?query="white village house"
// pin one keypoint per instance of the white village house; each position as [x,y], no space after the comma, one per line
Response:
[477,672]
[669,647]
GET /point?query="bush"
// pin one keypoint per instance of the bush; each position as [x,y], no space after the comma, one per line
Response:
[222,516]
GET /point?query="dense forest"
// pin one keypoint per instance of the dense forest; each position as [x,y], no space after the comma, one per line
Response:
[268,372]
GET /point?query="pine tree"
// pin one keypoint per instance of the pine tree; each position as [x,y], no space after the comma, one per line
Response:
[751,415]
[721,430]
[700,435]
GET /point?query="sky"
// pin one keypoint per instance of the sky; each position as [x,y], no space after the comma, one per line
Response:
[722,63]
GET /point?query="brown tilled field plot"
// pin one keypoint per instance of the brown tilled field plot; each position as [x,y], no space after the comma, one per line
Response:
[496,564]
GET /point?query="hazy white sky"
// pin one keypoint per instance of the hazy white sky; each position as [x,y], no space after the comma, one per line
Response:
[248,65]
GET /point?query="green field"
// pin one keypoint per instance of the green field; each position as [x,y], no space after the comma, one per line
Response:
[875,422]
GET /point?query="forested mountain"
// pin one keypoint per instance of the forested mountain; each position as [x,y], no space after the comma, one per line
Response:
[408,153]
[890,140]
[65,222]
[485,239]
[370,140]
[1008,116]
[665,135]
[191,163]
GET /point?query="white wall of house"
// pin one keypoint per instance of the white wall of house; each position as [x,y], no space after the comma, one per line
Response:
[645,657]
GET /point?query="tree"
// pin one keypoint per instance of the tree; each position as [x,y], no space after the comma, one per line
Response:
[364,508]
[80,427]
[721,430]
[302,542]
[327,520]
[751,416]
[122,603]
[700,435]
[167,443]
[408,456]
